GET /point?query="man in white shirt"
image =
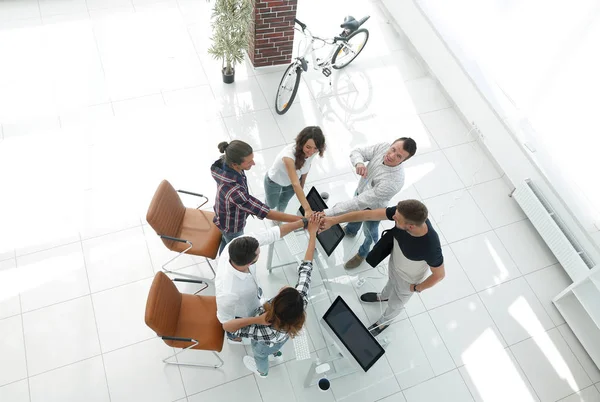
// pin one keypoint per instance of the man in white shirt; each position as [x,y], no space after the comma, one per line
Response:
[237,287]
[382,177]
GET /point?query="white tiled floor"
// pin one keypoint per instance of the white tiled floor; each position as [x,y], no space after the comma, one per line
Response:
[100,100]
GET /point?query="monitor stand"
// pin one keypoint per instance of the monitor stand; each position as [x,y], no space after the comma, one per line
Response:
[321,367]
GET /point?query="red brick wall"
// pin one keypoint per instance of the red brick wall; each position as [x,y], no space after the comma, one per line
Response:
[272,32]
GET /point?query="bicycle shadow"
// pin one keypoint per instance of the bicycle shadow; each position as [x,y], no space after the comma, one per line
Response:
[349,108]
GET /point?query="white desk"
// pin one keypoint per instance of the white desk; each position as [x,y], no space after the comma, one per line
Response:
[291,250]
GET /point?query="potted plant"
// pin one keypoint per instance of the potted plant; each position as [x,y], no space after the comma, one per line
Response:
[231,20]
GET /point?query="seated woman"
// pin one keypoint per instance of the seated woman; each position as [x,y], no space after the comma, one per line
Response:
[281,317]
[288,174]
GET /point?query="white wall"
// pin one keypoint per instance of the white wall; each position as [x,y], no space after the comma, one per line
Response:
[495,134]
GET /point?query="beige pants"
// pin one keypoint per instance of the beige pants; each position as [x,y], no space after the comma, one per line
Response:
[397,289]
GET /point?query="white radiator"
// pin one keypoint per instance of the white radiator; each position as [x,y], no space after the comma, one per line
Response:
[565,247]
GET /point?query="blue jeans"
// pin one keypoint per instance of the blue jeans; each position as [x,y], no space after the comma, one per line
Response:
[226,238]
[371,230]
[261,354]
[277,197]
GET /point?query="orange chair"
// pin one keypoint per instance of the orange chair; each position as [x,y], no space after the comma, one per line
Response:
[184,230]
[184,321]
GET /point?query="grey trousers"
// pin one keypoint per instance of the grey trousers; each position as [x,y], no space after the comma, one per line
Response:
[398,293]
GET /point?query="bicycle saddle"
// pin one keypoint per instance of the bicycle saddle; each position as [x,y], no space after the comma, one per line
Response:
[350,23]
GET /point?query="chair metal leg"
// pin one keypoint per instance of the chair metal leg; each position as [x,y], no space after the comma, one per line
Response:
[200,282]
[167,271]
[195,342]
[164,266]
[211,268]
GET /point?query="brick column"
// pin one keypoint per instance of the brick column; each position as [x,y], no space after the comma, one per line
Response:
[272,32]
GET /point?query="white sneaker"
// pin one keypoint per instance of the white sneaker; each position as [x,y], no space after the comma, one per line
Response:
[251,365]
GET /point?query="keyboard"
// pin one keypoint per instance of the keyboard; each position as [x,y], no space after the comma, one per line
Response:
[301,345]
[293,245]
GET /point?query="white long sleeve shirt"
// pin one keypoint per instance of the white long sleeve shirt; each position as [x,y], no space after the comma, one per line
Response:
[237,293]
[377,189]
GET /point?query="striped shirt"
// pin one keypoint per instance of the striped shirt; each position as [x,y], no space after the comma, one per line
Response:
[266,333]
[234,202]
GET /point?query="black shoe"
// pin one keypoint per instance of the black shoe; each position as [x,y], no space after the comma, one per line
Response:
[370,297]
[375,329]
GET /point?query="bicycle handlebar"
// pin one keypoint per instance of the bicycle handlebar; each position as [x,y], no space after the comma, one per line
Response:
[302,25]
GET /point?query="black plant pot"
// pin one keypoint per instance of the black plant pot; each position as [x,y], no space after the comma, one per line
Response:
[228,78]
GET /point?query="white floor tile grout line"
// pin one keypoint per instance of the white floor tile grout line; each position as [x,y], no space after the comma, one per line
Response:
[573,352]
[465,188]
[465,383]
[95,322]
[258,388]
[25,349]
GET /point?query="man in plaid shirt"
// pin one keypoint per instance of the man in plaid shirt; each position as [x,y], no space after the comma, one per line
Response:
[281,317]
[234,203]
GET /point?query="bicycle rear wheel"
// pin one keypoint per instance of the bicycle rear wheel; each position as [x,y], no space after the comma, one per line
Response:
[349,51]
[288,87]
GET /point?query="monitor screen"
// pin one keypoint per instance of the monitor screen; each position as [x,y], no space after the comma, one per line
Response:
[330,238]
[353,334]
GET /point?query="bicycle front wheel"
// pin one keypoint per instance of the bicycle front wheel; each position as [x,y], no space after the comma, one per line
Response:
[347,52]
[288,87]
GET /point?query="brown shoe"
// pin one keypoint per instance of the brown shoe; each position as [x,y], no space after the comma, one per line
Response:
[354,262]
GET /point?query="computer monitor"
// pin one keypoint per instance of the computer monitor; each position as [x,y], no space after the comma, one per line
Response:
[330,238]
[355,340]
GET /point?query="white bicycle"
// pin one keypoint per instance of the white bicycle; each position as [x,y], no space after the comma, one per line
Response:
[344,49]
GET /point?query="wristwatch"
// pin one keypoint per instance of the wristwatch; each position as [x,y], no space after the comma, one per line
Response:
[305,222]
[415,289]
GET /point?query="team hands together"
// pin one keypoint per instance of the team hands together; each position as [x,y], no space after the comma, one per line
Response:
[314,222]
[326,222]
[318,222]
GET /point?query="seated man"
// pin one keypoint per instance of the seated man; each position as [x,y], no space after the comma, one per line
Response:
[414,247]
[237,287]
[282,317]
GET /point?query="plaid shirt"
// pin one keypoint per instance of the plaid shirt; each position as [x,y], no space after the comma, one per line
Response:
[234,203]
[266,333]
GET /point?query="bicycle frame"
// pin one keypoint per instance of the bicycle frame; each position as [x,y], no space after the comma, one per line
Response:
[291,78]
[309,49]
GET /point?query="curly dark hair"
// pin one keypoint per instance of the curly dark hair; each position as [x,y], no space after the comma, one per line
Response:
[286,311]
[308,133]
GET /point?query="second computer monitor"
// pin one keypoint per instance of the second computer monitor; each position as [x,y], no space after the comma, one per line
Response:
[330,238]
[353,339]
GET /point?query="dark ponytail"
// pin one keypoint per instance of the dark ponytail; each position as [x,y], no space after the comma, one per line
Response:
[234,152]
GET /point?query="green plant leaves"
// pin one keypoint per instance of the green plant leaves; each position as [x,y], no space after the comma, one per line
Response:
[231,21]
